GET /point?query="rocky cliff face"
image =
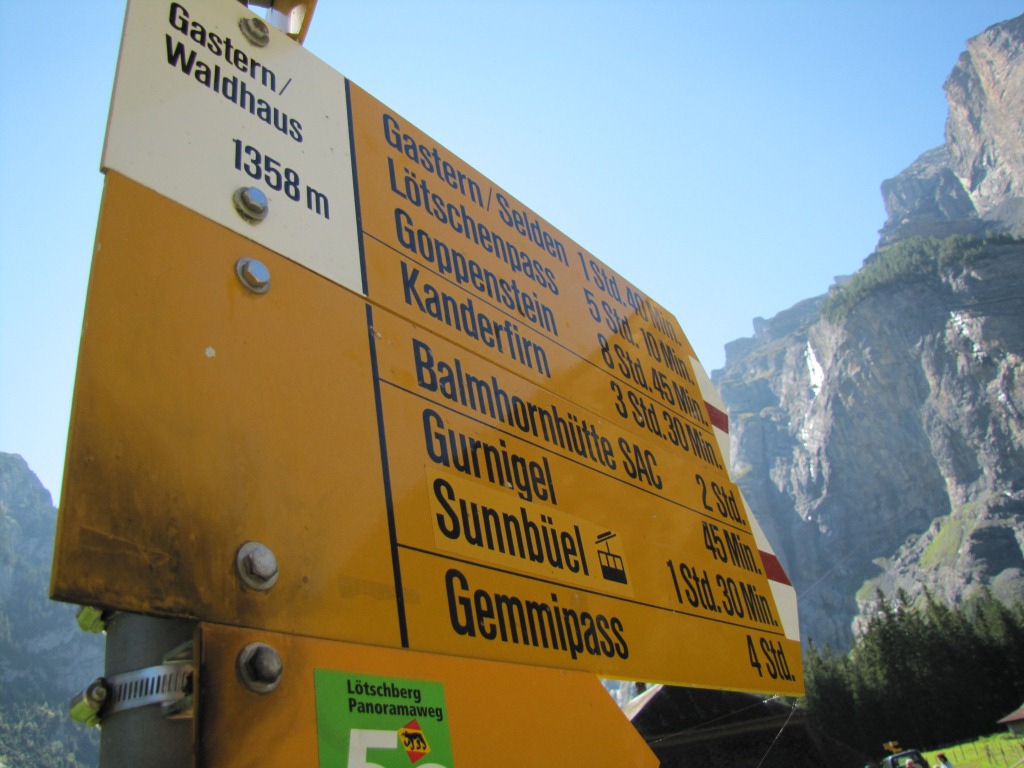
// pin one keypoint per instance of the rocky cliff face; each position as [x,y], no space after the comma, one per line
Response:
[975,181]
[44,658]
[878,432]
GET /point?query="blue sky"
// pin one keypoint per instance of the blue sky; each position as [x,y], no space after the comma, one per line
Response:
[725,157]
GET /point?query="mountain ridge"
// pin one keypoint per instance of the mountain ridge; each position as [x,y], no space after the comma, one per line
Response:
[878,429]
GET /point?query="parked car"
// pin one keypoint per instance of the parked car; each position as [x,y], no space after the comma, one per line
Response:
[900,759]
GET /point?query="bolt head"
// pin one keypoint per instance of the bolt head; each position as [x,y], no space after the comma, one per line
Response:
[254,275]
[260,667]
[251,203]
[262,564]
[255,30]
[97,692]
[257,566]
[265,665]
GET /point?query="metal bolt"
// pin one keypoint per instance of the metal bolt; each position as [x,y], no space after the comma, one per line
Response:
[255,30]
[85,707]
[254,275]
[251,204]
[257,565]
[260,667]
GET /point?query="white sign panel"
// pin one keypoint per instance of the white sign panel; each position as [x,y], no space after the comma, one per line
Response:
[199,112]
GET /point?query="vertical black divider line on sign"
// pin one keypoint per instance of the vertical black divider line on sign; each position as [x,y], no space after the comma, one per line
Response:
[378,404]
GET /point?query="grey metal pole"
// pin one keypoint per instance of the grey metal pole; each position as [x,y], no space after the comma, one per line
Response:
[141,734]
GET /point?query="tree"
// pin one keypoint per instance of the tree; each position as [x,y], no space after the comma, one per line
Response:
[893,683]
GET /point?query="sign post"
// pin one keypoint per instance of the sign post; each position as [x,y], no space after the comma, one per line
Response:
[336,385]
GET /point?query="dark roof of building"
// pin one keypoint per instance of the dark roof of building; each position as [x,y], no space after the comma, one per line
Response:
[1013,717]
[691,726]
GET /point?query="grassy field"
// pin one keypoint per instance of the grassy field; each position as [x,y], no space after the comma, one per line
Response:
[1000,751]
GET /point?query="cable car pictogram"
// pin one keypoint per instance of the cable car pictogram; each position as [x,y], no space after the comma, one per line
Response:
[613,567]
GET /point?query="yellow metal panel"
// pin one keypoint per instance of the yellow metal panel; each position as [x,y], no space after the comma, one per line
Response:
[468,610]
[502,451]
[401,169]
[582,377]
[499,715]
[503,305]
[437,225]
[206,416]
[415,361]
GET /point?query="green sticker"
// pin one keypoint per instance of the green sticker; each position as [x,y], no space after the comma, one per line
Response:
[369,721]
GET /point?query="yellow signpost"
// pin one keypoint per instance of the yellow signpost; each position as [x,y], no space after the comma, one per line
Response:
[336,385]
[475,712]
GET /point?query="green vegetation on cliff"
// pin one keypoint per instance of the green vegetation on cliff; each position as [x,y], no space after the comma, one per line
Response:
[911,259]
[41,736]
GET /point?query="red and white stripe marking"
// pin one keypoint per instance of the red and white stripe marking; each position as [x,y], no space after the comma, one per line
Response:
[782,589]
